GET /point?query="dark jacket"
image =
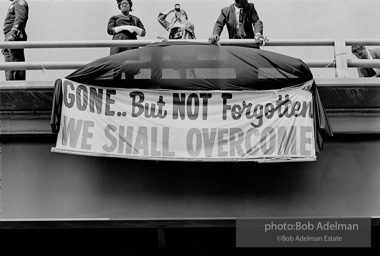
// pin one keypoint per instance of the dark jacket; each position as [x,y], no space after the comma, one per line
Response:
[369,72]
[250,17]
[121,20]
[15,21]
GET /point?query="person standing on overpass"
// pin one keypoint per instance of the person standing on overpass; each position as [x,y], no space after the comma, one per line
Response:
[242,22]
[124,26]
[361,52]
[14,30]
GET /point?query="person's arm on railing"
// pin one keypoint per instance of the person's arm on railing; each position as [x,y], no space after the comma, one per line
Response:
[218,28]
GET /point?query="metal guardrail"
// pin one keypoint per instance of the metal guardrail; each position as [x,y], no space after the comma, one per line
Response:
[75,65]
[78,64]
[339,61]
[140,43]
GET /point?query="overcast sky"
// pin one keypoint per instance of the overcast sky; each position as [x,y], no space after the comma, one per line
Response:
[66,20]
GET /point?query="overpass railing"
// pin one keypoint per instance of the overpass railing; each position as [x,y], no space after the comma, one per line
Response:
[339,61]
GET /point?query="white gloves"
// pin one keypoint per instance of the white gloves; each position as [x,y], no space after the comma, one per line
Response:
[137,30]
[132,29]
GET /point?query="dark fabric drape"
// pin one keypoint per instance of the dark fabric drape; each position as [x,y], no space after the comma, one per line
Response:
[195,66]
[215,67]
[55,118]
[322,125]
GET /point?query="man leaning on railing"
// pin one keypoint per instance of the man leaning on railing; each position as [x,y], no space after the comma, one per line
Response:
[14,30]
[363,53]
[239,19]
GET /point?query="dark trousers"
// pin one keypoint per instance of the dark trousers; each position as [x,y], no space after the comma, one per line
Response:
[14,55]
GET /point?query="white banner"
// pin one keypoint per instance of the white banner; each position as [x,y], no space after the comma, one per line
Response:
[274,125]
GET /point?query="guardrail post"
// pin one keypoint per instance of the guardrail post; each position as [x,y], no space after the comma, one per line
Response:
[340,53]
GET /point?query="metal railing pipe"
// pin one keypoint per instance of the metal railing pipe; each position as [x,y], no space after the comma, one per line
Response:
[325,82]
[271,42]
[41,65]
[76,65]
[364,63]
[300,42]
[366,42]
[141,43]
[74,44]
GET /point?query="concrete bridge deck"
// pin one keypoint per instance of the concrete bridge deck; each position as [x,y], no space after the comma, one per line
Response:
[40,189]
[38,184]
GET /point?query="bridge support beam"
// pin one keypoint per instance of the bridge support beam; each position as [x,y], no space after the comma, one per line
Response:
[340,54]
